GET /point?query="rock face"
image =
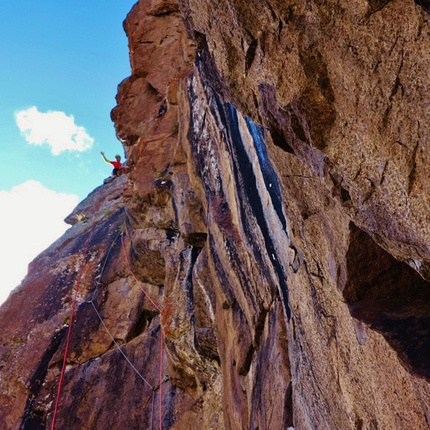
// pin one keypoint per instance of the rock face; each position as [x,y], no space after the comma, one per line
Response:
[265,262]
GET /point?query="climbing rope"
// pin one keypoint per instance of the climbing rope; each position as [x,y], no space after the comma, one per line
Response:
[127,259]
[101,319]
[134,276]
[93,303]
[154,389]
[119,348]
[71,318]
[161,376]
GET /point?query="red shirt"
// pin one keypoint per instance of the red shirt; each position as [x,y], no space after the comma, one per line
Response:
[116,164]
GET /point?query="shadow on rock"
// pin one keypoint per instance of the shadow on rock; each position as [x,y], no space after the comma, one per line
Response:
[391,298]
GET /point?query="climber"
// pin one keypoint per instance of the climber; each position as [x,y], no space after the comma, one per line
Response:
[117,167]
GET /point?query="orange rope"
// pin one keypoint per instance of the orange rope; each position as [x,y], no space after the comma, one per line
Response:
[161,375]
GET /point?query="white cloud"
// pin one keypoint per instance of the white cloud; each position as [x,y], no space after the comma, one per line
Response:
[54,128]
[31,217]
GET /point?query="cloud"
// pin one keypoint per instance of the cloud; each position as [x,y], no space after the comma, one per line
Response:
[31,217]
[54,128]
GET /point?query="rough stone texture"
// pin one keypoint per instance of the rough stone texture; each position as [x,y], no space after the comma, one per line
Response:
[344,86]
[276,268]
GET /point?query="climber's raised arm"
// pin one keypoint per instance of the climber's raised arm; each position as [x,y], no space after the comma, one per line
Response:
[104,158]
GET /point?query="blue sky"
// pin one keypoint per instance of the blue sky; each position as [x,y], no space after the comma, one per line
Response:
[61,62]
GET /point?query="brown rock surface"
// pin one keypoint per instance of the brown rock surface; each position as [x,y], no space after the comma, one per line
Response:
[270,274]
[344,86]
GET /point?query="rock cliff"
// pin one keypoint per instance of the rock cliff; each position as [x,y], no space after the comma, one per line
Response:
[265,262]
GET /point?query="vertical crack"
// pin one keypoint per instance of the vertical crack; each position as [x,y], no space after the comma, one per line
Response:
[413,172]
[250,55]
[34,419]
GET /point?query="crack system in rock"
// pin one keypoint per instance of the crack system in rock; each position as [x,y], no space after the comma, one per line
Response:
[33,419]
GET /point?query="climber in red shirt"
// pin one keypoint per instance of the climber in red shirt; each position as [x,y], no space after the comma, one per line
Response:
[116,165]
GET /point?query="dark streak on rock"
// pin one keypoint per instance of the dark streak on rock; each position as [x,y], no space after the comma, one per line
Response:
[249,200]
[188,283]
[33,419]
[384,171]
[244,174]
[412,173]
[269,175]
[250,54]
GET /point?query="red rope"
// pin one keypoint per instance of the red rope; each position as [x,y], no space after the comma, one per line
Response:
[161,376]
[161,330]
[72,315]
[69,333]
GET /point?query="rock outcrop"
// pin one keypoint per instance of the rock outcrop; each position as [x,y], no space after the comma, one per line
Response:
[265,262]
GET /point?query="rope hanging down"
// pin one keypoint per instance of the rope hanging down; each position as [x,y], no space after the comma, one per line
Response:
[72,316]
[71,319]
[134,276]
[161,331]
[101,319]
